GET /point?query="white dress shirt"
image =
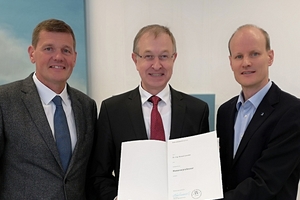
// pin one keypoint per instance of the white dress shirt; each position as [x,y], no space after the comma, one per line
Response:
[46,95]
[164,108]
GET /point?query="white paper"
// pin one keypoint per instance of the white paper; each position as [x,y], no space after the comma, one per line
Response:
[186,168]
[143,171]
[194,168]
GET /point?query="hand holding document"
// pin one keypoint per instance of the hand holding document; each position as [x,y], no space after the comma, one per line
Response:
[185,168]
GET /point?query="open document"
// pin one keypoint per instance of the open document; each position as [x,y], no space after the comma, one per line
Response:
[185,168]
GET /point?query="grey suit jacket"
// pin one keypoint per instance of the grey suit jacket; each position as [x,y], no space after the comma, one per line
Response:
[30,167]
[121,119]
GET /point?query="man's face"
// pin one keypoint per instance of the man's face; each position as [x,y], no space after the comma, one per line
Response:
[55,58]
[249,59]
[156,65]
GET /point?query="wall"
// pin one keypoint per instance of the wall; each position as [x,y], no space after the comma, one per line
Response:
[202,29]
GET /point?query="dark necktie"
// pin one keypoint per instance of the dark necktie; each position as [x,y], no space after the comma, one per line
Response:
[156,127]
[62,133]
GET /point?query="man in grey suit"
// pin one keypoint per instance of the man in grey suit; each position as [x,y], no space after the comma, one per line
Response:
[126,117]
[30,160]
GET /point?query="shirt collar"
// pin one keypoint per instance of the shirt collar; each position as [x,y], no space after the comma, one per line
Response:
[164,95]
[46,94]
[256,98]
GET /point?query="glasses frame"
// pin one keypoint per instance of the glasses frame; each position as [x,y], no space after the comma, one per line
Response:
[152,59]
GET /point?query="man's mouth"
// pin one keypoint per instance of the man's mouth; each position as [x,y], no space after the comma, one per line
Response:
[156,74]
[57,67]
[248,72]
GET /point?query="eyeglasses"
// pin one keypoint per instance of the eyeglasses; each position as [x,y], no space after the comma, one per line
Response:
[150,57]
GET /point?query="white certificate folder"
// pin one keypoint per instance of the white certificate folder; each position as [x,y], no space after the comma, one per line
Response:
[185,168]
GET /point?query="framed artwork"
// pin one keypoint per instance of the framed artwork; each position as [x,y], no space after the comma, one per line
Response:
[18,18]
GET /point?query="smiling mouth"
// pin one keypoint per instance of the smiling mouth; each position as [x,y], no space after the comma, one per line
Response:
[248,72]
[156,74]
[57,67]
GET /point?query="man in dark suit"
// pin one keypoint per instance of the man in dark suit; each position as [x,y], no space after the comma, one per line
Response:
[259,130]
[31,163]
[126,117]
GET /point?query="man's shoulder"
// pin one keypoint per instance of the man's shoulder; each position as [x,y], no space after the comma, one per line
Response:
[287,101]
[229,103]
[277,96]
[119,98]
[75,93]
[288,97]
[14,87]
[7,86]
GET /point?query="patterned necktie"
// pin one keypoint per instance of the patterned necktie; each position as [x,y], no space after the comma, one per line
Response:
[156,128]
[62,133]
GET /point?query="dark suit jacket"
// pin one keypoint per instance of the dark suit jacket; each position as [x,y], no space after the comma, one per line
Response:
[30,167]
[121,119]
[266,164]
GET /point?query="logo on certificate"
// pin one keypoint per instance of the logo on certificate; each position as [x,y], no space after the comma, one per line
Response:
[196,194]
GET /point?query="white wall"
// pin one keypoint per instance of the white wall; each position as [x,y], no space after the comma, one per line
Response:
[202,29]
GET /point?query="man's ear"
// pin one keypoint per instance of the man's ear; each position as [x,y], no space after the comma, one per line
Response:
[31,52]
[271,57]
[133,56]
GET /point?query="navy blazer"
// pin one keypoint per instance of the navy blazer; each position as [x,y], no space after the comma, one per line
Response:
[30,166]
[267,162]
[121,119]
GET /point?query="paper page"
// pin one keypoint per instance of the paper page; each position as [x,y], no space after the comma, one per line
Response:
[194,168]
[143,171]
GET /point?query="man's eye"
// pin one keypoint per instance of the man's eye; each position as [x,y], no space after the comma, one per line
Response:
[48,48]
[163,57]
[238,57]
[66,51]
[148,57]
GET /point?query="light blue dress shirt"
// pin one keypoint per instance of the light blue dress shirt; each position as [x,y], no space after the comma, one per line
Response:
[245,112]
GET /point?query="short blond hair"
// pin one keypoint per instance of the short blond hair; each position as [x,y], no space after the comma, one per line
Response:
[266,35]
[155,30]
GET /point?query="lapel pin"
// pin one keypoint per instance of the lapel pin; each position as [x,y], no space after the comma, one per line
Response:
[262,114]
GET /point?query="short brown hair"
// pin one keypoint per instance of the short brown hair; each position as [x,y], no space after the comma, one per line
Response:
[51,25]
[154,29]
[266,35]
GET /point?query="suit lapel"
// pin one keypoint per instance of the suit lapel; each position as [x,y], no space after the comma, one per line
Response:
[134,108]
[79,123]
[264,110]
[34,106]
[178,113]
[229,137]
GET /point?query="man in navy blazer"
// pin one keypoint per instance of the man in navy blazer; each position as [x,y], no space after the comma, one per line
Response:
[30,162]
[126,117]
[259,130]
